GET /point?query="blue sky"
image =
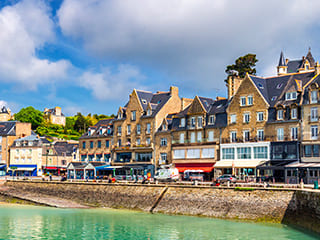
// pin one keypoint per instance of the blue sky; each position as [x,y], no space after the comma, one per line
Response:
[88,55]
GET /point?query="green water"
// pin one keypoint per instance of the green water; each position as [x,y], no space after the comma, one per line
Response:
[28,222]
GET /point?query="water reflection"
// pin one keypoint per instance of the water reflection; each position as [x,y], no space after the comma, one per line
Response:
[18,222]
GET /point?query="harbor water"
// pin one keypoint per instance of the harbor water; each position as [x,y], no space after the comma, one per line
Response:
[30,222]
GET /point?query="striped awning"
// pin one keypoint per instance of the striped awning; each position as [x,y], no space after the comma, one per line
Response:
[238,163]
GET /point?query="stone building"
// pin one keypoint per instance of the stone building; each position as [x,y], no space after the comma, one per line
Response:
[96,144]
[55,116]
[57,155]
[136,125]
[5,114]
[26,156]
[10,131]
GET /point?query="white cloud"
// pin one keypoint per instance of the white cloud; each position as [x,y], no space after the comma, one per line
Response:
[3,103]
[108,84]
[191,40]
[25,28]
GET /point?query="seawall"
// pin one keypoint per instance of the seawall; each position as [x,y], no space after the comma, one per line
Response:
[296,207]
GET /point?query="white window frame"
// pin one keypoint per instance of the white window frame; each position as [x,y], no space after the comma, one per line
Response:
[199,136]
[233,118]
[133,115]
[314,114]
[138,129]
[233,136]
[181,138]
[211,119]
[128,129]
[182,122]
[280,134]
[193,153]
[294,113]
[138,141]
[244,135]
[163,158]
[193,122]
[314,96]
[148,129]
[246,117]
[250,100]
[259,114]
[228,153]
[260,134]
[192,137]
[163,142]
[179,154]
[210,136]
[314,132]
[280,114]
[207,153]
[294,133]
[199,122]
[148,141]
[243,101]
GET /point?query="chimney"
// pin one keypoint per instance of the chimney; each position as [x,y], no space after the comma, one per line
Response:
[233,83]
[174,91]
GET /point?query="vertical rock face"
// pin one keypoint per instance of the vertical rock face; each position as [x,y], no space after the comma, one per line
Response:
[301,208]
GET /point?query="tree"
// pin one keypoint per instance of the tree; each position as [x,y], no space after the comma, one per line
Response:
[30,115]
[243,65]
[80,124]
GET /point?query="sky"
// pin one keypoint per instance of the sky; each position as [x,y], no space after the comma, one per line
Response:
[87,56]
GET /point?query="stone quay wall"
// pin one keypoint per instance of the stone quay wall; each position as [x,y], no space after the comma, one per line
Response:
[296,207]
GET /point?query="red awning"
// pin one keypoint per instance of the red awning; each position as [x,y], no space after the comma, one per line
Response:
[53,168]
[206,167]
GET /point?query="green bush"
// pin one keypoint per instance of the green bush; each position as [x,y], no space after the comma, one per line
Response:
[244,189]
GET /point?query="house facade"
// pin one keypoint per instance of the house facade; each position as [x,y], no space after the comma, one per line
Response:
[136,125]
[55,116]
[96,144]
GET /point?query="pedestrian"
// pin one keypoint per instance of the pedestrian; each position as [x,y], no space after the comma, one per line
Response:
[50,177]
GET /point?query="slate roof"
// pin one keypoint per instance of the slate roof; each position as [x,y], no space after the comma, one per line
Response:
[294,65]
[4,110]
[102,123]
[206,102]
[272,88]
[65,148]
[52,111]
[8,128]
[282,62]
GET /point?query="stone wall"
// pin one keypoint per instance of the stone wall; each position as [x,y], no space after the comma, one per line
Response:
[295,207]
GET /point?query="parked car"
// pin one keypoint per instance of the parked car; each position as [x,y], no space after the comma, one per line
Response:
[227,178]
[193,175]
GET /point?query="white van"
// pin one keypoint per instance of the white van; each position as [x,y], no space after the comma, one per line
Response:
[167,174]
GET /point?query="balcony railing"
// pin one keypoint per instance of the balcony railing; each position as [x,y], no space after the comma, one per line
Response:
[257,139]
[313,118]
[187,141]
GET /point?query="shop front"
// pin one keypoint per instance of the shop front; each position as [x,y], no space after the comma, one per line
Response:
[23,170]
[57,171]
[308,173]
[75,170]
[204,169]
[2,169]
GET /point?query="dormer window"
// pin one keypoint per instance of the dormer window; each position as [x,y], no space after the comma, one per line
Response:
[182,122]
[119,115]
[148,112]
[307,67]
[144,101]
[294,113]
[314,96]
[280,114]
[291,96]
[164,127]
[279,85]
[211,119]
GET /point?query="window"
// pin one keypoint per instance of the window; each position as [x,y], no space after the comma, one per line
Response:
[83,145]
[193,122]
[119,115]
[107,143]
[148,112]
[163,158]
[314,132]
[279,85]
[211,119]
[91,144]
[148,128]
[129,129]
[294,113]
[260,134]
[233,136]
[244,152]
[250,100]
[280,134]
[164,127]
[109,130]
[315,151]
[181,139]
[242,101]
[199,122]
[246,135]
[246,117]
[133,115]
[163,142]
[193,153]
[119,131]
[208,153]
[233,118]
[294,133]
[291,96]
[260,116]
[148,141]
[307,150]
[210,136]
[314,96]
[193,137]
[182,122]
[99,143]
[138,129]
[260,152]
[280,114]
[314,114]
[138,141]
[199,137]
[228,153]
[179,154]
[119,143]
